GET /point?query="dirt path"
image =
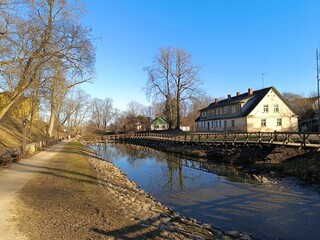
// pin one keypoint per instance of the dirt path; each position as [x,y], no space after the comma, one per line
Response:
[75,195]
[12,180]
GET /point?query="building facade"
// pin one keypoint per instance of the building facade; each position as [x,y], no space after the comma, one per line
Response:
[263,110]
[159,124]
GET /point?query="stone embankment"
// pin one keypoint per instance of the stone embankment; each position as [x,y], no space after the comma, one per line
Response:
[156,220]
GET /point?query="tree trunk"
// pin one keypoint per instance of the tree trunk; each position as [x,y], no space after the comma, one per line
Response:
[52,120]
[178,106]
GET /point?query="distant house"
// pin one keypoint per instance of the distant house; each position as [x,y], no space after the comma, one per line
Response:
[185,128]
[159,124]
[262,110]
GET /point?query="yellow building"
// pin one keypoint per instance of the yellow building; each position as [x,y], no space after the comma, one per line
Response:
[23,109]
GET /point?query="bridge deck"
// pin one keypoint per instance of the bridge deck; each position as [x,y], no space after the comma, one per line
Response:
[293,139]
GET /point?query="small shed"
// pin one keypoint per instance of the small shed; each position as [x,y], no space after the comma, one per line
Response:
[159,124]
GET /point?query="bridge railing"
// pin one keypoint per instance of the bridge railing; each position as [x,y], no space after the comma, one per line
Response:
[297,139]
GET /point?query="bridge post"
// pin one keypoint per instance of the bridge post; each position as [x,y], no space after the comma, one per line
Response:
[304,139]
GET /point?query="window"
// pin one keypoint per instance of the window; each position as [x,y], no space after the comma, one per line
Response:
[265,108]
[225,110]
[216,123]
[263,122]
[233,124]
[276,108]
[279,122]
[220,110]
[233,109]
[220,123]
[217,111]
[225,124]
[212,124]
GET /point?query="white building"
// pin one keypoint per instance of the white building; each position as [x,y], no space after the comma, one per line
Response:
[263,110]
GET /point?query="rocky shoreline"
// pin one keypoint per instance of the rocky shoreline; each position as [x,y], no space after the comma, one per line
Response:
[158,221]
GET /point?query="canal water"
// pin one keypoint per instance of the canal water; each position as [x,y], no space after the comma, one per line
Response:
[220,195]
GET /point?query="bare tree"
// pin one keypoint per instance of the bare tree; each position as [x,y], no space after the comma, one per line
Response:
[102,112]
[96,113]
[174,77]
[186,80]
[159,83]
[107,112]
[75,110]
[39,33]
[193,107]
[135,108]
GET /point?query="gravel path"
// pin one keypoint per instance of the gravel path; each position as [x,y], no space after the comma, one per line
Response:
[11,181]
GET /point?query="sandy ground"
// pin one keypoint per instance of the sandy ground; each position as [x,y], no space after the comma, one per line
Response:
[11,181]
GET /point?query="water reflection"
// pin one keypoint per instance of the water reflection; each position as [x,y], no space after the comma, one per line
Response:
[196,189]
[156,171]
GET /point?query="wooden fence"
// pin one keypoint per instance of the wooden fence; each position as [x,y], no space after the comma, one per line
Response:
[11,155]
[293,139]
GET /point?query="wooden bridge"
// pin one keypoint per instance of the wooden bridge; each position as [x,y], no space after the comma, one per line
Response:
[292,139]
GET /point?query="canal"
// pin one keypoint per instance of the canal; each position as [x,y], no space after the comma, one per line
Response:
[220,195]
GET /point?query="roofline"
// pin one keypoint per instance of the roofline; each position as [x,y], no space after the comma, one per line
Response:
[285,100]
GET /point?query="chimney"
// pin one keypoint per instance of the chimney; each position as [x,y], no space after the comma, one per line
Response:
[250,91]
[238,93]
[229,97]
[216,100]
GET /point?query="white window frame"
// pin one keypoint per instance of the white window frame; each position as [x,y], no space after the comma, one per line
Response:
[233,109]
[279,122]
[265,108]
[225,110]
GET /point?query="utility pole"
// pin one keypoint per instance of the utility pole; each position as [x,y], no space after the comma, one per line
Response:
[317,58]
[262,74]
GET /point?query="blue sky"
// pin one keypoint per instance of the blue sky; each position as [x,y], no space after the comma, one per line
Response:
[234,42]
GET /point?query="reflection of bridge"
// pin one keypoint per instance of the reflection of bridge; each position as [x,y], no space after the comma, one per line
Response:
[228,171]
[293,139]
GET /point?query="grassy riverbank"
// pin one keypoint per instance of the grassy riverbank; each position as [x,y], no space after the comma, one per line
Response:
[78,196]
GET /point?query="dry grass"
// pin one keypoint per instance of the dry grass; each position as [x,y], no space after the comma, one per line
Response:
[11,132]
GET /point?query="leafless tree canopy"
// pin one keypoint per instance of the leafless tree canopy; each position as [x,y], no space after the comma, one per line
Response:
[173,78]
[43,45]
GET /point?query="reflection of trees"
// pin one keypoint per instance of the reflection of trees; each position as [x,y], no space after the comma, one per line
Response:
[134,155]
[176,172]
